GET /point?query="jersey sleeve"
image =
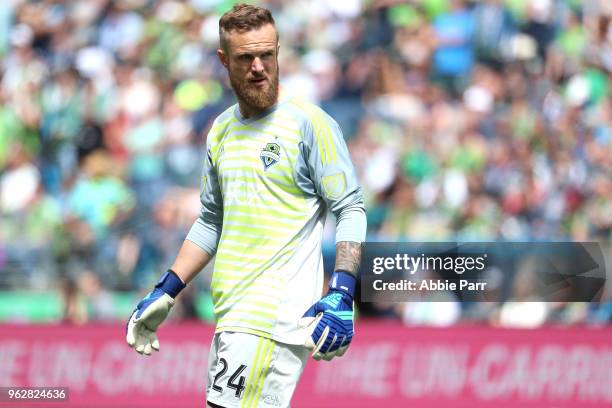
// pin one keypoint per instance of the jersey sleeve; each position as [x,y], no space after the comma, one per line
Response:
[333,175]
[206,230]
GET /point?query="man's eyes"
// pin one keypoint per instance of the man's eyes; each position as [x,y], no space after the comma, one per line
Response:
[249,57]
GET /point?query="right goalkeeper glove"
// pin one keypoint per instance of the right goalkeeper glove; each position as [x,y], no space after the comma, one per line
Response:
[333,327]
[151,312]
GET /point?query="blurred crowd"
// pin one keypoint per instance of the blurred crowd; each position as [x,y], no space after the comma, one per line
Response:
[466,121]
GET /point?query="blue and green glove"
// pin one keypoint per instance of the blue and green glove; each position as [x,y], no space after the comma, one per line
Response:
[333,329]
[151,312]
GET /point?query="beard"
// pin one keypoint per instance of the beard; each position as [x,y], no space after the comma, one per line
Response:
[252,96]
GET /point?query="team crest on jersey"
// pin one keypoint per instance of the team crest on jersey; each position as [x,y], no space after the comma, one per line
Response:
[270,155]
[334,185]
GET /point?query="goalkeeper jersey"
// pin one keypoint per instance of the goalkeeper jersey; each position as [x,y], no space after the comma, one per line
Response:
[267,184]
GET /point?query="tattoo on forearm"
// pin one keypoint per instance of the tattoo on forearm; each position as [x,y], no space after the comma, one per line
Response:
[348,256]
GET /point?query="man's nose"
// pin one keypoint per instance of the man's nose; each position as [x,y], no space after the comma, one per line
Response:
[257,65]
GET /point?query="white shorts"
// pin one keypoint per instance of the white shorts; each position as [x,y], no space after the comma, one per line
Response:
[248,371]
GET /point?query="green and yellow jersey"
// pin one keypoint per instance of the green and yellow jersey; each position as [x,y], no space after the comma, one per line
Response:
[267,184]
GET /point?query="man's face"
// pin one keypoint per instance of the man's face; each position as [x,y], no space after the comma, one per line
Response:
[252,63]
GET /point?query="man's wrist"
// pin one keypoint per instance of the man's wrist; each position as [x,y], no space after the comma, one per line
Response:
[170,283]
[343,281]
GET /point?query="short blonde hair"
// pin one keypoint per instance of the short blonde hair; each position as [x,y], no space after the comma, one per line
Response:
[243,17]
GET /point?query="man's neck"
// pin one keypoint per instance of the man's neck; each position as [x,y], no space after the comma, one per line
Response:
[248,111]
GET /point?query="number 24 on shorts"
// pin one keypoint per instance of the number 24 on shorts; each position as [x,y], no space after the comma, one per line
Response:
[239,386]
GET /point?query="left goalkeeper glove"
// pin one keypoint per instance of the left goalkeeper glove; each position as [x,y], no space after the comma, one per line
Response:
[151,312]
[334,313]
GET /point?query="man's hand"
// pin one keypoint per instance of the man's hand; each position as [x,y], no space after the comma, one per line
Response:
[151,312]
[333,329]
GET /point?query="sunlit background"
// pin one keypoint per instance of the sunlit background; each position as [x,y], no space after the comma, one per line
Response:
[465,120]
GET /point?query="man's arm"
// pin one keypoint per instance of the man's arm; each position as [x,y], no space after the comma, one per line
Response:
[190,260]
[201,242]
[154,308]
[348,257]
[197,250]
[335,181]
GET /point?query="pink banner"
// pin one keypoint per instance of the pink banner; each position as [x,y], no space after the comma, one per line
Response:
[394,366]
[387,365]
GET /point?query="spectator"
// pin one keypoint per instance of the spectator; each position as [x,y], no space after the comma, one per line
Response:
[454,55]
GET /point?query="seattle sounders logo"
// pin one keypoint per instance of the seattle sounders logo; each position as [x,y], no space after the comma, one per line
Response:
[270,155]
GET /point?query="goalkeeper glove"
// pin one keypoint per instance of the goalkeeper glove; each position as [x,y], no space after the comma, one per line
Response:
[151,312]
[333,330]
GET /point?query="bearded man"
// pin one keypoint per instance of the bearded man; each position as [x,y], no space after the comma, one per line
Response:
[273,169]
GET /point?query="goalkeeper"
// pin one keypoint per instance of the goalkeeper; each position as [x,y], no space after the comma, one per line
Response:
[273,167]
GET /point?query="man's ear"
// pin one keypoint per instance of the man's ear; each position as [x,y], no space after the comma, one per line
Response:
[222,56]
